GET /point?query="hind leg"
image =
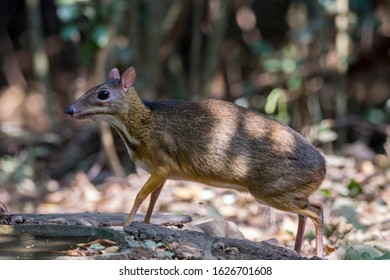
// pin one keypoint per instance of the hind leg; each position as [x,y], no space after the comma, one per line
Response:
[298,203]
[300,232]
[315,213]
[319,227]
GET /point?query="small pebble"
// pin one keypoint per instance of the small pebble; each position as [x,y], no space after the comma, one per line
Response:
[18,219]
[59,221]
[219,246]
[231,251]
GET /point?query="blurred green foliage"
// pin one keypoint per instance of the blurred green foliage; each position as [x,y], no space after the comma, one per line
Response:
[320,66]
[171,44]
[19,170]
[86,22]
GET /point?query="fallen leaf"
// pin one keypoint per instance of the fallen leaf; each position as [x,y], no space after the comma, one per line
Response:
[110,250]
[73,252]
[97,246]
[150,244]
[103,242]
[329,249]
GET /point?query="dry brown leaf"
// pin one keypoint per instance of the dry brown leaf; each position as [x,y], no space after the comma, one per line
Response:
[329,249]
[103,242]
[110,250]
[72,253]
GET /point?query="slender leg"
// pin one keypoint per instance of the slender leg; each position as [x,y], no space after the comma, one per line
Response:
[152,203]
[319,227]
[154,182]
[315,213]
[300,232]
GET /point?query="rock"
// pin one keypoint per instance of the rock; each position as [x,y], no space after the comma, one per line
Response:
[218,227]
[18,219]
[178,243]
[186,251]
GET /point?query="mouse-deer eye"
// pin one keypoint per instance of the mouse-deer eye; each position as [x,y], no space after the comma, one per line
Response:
[103,94]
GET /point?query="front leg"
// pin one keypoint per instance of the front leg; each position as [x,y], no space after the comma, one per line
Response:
[152,203]
[154,182]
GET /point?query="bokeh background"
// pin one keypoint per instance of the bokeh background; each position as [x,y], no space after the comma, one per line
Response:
[320,66]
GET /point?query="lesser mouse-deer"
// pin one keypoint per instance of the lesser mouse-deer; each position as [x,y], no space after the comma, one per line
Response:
[213,142]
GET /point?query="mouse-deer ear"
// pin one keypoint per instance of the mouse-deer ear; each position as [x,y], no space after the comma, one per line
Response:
[114,74]
[128,78]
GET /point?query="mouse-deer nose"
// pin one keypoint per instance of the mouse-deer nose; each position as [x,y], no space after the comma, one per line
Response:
[69,110]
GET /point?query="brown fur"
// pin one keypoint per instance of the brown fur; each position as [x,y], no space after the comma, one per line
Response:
[213,142]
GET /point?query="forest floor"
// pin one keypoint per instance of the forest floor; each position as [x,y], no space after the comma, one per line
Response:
[355,195]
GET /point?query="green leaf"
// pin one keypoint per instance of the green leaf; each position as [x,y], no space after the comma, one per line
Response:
[289,65]
[69,32]
[100,36]
[260,47]
[294,82]
[89,12]
[326,192]
[354,188]
[68,13]
[272,65]
[86,52]
[69,2]
[375,116]
[272,100]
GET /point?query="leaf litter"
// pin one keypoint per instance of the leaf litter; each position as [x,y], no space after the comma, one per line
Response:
[355,195]
[96,247]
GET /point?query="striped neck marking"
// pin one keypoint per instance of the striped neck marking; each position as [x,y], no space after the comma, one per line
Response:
[129,140]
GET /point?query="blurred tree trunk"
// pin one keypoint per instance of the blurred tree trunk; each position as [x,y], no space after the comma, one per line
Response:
[342,49]
[134,31]
[151,42]
[196,47]
[219,16]
[9,61]
[100,74]
[174,26]
[40,60]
